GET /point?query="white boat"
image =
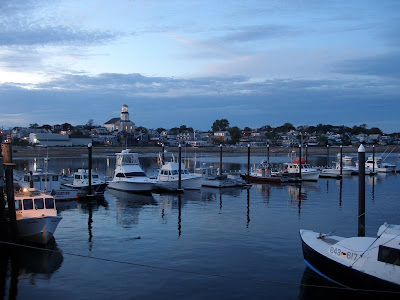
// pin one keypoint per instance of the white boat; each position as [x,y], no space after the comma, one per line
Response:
[36,215]
[307,173]
[356,262]
[50,184]
[168,178]
[379,165]
[128,175]
[334,171]
[81,183]
[210,177]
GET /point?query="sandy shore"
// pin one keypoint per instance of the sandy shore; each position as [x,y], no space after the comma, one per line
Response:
[67,152]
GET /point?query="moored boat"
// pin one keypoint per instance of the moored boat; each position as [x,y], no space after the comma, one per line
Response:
[81,183]
[129,176]
[307,173]
[168,178]
[211,177]
[262,174]
[50,184]
[356,262]
[36,215]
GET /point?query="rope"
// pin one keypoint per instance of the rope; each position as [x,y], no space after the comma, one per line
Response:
[351,220]
[201,273]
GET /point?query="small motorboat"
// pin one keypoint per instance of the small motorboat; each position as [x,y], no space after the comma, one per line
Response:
[36,215]
[371,263]
[81,183]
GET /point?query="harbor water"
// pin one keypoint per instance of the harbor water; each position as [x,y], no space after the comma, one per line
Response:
[228,243]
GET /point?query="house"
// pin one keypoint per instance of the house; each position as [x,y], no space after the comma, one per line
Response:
[122,123]
[49,139]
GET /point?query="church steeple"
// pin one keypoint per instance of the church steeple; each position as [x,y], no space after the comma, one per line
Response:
[124,113]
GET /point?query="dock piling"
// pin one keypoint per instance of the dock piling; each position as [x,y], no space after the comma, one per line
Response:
[361,191]
[9,166]
[248,164]
[180,168]
[220,159]
[90,169]
[341,159]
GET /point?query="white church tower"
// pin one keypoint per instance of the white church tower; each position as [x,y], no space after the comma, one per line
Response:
[124,113]
[121,124]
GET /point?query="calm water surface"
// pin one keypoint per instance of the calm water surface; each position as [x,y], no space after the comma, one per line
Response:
[225,244]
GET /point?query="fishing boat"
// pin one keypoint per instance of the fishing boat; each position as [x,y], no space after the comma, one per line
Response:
[36,215]
[50,184]
[307,173]
[128,175]
[263,174]
[379,165]
[211,177]
[81,183]
[356,262]
[168,178]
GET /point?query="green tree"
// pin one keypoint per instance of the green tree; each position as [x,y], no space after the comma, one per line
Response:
[34,125]
[47,127]
[159,130]
[235,133]
[142,129]
[220,125]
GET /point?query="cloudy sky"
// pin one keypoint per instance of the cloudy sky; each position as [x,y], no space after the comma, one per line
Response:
[186,62]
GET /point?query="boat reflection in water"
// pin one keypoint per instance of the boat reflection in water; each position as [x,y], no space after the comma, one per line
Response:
[24,263]
[128,205]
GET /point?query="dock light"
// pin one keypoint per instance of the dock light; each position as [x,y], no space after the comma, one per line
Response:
[25,190]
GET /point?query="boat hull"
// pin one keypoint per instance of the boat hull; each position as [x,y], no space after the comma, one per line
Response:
[38,230]
[342,274]
[263,179]
[218,183]
[98,189]
[186,184]
[130,186]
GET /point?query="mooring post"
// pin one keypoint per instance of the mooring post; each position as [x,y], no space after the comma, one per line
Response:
[9,166]
[361,190]
[90,168]
[248,163]
[327,155]
[373,159]
[341,159]
[3,225]
[220,159]
[268,153]
[306,154]
[300,161]
[180,168]
[162,156]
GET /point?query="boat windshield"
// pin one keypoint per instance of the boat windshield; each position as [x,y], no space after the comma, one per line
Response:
[131,174]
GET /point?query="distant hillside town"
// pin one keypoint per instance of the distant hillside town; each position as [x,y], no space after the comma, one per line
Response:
[122,131]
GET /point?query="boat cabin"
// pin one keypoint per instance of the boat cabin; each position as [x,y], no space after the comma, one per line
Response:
[43,181]
[30,203]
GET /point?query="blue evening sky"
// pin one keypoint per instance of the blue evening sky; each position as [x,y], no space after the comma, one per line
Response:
[189,63]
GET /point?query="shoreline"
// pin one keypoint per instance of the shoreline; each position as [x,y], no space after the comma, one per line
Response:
[68,152]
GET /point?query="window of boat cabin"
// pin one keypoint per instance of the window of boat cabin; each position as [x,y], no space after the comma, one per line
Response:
[120,175]
[135,174]
[28,204]
[95,176]
[18,205]
[49,202]
[55,178]
[36,178]
[389,255]
[26,178]
[77,176]
[85,176]
[174,172]
[39,204]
